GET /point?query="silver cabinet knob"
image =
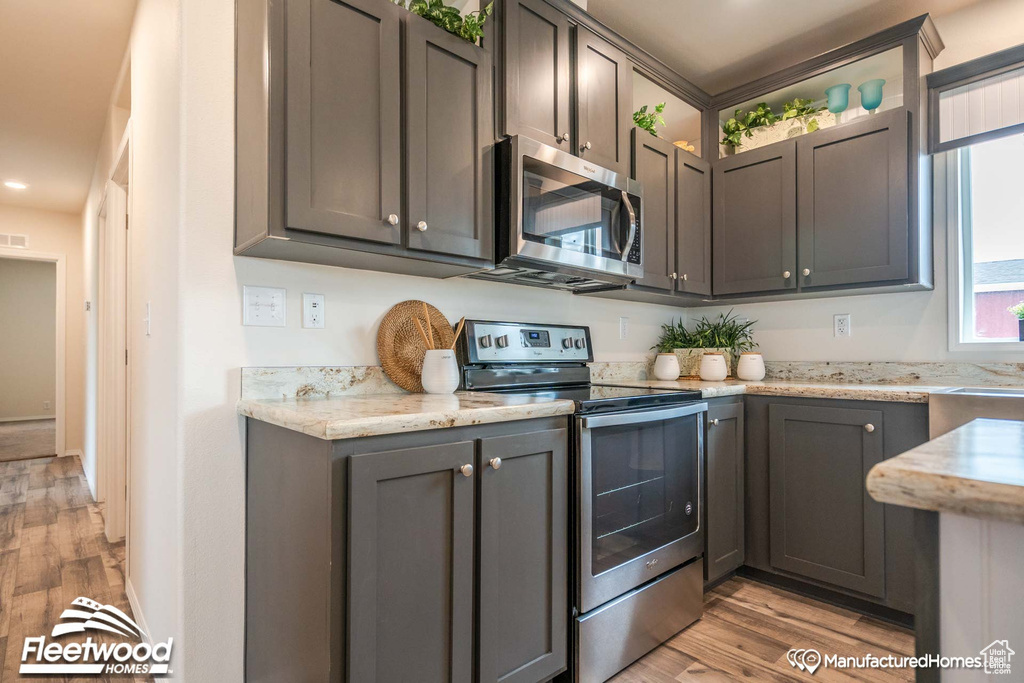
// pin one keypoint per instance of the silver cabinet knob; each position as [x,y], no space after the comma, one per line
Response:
[393,219]
[685,277]
[869,428]
[674,276]
[495,463]
[787,274]
[421,226]
[564,138]
[467,470]
[714,423]
[807,271]
[585,145]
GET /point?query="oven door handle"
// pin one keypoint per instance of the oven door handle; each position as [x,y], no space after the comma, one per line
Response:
[641,416]
[632,226]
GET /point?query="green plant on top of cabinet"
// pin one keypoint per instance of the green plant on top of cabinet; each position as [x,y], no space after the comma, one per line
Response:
[331,122]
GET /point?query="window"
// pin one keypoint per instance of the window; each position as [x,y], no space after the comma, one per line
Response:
[990,239]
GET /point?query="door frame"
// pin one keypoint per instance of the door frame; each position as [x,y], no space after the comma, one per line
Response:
[114,388]
[60,311]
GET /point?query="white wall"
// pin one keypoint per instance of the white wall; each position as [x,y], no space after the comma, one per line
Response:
[28,372]
[979,29]
[60,233]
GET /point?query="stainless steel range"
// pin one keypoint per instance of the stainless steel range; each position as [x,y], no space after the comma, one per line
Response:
[638,533]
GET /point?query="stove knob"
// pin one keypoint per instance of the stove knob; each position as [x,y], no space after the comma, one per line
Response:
[502,341]
[580,343]
[567,343]
[485,341]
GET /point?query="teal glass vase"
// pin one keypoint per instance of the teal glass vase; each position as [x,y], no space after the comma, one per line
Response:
[871,93]
[838,97]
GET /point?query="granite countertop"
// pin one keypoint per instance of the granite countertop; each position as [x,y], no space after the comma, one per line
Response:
[976,470]
[349,417]
[903,393]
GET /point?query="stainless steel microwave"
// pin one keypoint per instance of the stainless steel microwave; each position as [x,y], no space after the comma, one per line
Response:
[564,222]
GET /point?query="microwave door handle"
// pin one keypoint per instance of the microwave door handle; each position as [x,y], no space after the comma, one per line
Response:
[632,226]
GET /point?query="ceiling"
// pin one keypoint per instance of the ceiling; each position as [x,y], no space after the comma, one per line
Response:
[60,60]
[720,45]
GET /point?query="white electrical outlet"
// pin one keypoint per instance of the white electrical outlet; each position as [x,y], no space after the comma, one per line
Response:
[623,327]
[841,325]
[263,306]
[313,311]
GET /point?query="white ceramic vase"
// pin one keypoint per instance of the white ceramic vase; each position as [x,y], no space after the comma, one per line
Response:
[440,372]
[750,367]
[666,366]
[713,367]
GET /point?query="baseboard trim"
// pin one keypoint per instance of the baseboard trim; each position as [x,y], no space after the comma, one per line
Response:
[28,418]
[133,600]
[74,451]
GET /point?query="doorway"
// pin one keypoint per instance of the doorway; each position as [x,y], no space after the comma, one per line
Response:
[31,354]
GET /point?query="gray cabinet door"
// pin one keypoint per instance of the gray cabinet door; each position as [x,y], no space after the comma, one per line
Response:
[343,132]
[411,565]
[693,223]
[604,96]
[725,489]
[755,220]
[853,220]
[537,71]
[524,552]
[654,167]
[824,525]
[449,137]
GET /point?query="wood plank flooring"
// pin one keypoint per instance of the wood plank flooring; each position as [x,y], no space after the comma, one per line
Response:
[748,628]
[52,550]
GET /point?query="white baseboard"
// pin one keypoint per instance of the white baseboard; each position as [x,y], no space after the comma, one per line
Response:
[74,451]
[133,600]
[27,418]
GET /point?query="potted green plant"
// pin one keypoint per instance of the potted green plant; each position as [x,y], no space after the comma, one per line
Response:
[725,334]
[469,27]
[1018,311]
[646,120]
[761,126]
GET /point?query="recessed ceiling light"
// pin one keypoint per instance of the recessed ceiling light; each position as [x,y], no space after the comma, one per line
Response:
[15,185]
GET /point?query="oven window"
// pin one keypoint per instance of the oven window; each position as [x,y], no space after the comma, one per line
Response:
[564,210]
[644,481]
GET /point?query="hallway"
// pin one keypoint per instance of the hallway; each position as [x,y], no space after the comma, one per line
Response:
[52,550]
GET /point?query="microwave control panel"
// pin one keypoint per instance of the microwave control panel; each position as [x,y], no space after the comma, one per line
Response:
[501,342]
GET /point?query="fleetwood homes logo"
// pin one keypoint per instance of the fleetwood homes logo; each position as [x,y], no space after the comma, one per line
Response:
[92,657]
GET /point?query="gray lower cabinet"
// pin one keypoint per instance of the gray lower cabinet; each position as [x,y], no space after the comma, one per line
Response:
[604,87]
[537,72]
[755,221]
[853,212]
[411,564]
[438,556]
[724,485]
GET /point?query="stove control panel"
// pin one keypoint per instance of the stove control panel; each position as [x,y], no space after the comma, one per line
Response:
[504,342]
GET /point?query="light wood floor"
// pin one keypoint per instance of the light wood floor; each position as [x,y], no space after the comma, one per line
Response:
[52,550]
[748,628]
[27,439]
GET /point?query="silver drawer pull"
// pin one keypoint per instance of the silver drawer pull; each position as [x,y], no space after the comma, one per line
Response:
[393,219]
[869,428]
[585,146]
[467,470]
[786,274]
[495,463]
[564,138]
[714,423]
[421,226]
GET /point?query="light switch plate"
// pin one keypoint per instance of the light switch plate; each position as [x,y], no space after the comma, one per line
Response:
[313,311]
[263,306]
[623,327]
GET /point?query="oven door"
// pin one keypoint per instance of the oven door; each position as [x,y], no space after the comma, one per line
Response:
[573,214]
[639,492]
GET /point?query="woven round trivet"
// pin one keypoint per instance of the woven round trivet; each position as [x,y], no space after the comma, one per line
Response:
[400,346]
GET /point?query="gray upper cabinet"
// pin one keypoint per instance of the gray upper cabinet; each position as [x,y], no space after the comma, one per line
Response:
[852,212]
[755,220]
[654,166]
[824,525]
[411,565]
[449,127]
[725,489]
[693,224]
[537,72]
[604,95]
[343,127]
[524,556]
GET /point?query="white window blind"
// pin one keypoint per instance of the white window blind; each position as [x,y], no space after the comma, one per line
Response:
[982,107]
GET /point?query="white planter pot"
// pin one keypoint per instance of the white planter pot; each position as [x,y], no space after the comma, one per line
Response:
[666,366]
[750,367]
[440,373]
[713,367]
[783,130]
[689,360]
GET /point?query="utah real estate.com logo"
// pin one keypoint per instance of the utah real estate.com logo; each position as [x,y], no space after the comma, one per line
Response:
[92,657]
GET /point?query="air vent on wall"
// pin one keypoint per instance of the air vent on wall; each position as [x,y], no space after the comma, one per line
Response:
[18,241]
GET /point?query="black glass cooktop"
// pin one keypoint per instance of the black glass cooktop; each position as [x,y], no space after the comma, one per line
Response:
[596,398]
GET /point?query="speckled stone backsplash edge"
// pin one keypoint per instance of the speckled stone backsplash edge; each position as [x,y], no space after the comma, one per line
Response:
[311,381]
